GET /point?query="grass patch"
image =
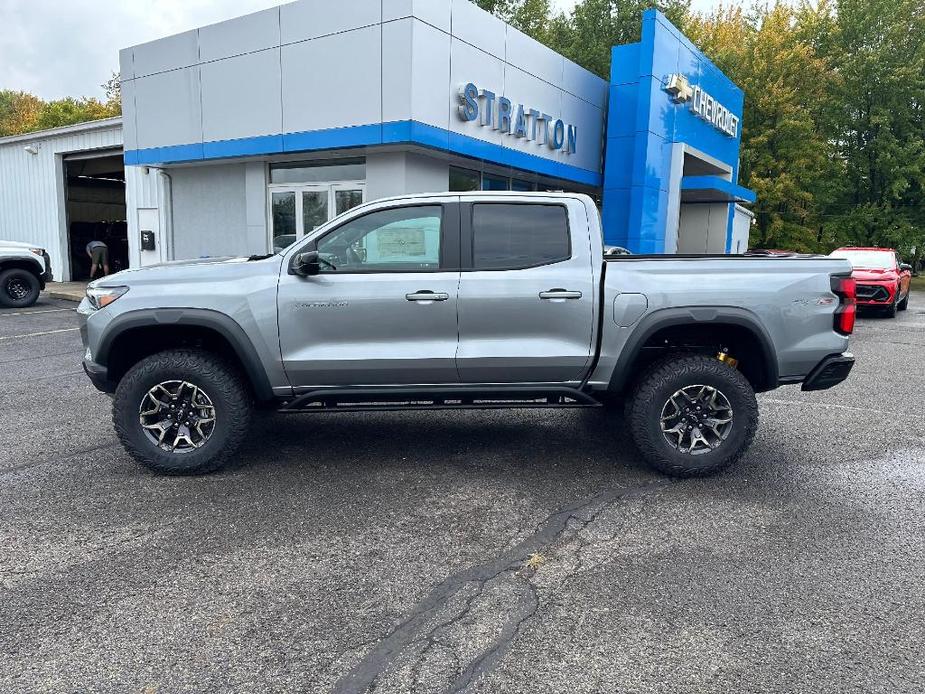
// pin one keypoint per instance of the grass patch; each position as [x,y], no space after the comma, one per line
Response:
[918,283]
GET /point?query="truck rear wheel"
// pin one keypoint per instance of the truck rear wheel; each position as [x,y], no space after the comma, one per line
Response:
[692,416]
[182,412]
[18,288]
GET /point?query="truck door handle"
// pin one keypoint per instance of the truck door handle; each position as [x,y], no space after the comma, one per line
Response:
[559,293]
[427,295]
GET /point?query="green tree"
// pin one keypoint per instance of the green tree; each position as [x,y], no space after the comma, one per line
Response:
[497,7]
[112,88]
[19,112]
[879,51]
[587,35]
[69,110]
[589,31]
[786,157]
[530,16]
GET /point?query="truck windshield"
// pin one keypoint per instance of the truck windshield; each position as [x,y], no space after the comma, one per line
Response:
[876,260]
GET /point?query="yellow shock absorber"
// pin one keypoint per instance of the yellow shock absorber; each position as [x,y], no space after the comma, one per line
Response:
[724,357]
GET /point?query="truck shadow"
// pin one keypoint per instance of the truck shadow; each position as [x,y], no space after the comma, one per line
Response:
[576,440]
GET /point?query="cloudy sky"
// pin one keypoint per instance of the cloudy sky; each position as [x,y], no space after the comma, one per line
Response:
[56,48]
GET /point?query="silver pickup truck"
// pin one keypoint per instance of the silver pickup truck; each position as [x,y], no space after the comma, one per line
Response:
[455,301]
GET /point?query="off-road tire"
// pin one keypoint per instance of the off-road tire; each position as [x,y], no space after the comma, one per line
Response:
[25,281]
[659,383]
[216,377]
[904,304]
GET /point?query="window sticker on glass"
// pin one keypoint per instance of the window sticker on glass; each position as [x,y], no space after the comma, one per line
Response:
[398,242]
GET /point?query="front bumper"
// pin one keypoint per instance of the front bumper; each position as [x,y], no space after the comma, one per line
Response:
[876,293]
[46,276]
[99,376]
[97,373]
[829,372]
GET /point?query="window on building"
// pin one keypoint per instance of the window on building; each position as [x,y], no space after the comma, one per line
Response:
[491,182]
[323,171]
[509,237]
[522,186]
[462,180]
[405,239]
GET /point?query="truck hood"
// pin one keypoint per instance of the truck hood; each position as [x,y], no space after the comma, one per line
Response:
[18,245]
[196,270]
[873,275]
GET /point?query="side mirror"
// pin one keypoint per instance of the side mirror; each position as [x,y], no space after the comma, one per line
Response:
[905,266]
[305,264]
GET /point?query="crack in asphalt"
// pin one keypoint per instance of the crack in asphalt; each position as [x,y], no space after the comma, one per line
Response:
[412,629]
[489,657]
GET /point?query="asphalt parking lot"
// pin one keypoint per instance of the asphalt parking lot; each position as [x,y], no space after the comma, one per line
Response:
[513,551]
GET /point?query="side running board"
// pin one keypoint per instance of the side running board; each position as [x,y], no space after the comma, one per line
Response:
[437,398]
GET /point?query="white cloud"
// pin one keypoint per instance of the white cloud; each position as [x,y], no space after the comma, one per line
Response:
[56,48]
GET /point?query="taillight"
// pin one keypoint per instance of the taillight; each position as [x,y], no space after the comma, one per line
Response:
[846,291]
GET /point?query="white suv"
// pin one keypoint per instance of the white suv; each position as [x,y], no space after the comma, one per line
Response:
[24,270]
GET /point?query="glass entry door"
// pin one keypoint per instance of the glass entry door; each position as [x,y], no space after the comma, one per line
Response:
[296,210]
[315,209]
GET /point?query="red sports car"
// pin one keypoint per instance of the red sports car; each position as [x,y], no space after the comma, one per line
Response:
[882,280]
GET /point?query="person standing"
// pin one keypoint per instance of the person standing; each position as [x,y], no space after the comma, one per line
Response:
[99,257]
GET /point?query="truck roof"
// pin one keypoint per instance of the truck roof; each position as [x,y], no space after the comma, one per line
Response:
[865,248]
[485,193]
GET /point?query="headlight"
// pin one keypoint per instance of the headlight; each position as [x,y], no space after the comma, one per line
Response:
[101,297]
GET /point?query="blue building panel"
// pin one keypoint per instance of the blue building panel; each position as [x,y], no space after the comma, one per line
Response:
[655,151]
[621,116]
[680,98]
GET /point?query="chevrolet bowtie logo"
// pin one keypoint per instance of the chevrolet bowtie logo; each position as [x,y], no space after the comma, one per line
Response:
[679,88]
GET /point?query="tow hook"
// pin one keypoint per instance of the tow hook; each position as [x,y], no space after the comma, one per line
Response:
[724,357]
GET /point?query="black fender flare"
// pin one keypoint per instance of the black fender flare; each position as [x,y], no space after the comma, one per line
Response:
[222,324]
[694,315]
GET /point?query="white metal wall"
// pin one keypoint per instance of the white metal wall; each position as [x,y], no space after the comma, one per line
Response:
[741,229]
[32,195]
[142,195]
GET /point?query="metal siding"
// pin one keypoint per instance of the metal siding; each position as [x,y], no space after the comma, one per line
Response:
[141,191]
[375,88]
[31,190]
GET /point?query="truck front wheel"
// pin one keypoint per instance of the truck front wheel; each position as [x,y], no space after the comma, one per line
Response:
[692,415]
[182,411]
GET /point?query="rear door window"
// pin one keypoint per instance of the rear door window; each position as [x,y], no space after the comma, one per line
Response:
[518,236]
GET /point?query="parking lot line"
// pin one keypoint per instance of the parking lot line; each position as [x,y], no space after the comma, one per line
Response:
[45,332]
[29,313]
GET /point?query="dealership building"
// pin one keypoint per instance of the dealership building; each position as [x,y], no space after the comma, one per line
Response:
[239,137]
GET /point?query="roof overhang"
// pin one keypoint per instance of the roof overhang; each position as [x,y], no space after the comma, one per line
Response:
[85,126]
[714,189]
